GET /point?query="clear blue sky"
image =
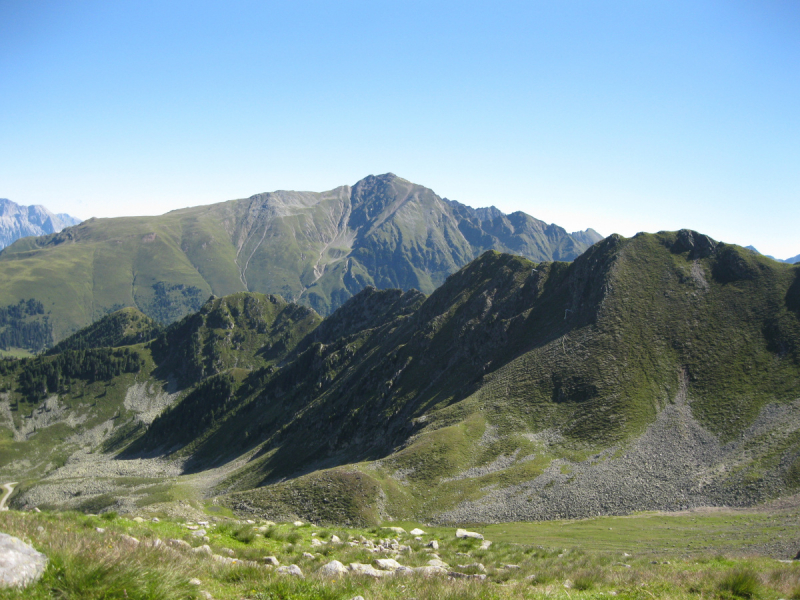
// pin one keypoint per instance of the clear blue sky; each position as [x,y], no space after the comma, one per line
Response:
[622,116]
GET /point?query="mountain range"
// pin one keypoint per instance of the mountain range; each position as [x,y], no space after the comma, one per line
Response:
[316,249]
[23,221]
[789,261]
[657,372]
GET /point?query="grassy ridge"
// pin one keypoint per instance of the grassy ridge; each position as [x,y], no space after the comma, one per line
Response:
[512,373]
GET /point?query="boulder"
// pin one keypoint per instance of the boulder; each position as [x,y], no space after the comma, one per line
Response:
[293,570]
[463,533]
[271,560]
[476,566]
[387,564]
[204,549]
[430,571]
[316,543]
[179,544]
[457,575]
[417,531]
[20,564]
[433,544]
[369,570]
[138,519]
[332,569]
[308,555]
[335,539]
[395,529]
[485,544]
[297,523]
[435,562]
[128,540]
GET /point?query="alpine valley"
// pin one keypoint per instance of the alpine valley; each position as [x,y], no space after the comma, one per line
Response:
[656,372]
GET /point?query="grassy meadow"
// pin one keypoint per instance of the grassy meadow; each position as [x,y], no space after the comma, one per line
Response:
[699,554]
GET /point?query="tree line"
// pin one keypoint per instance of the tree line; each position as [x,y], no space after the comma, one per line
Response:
[37,377]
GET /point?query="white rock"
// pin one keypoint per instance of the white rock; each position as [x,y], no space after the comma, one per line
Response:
[297,523]
[290,570]
[20,564]
[417,531]
[463,533]
[478,566]
[129,540]
[227,551]
[155,520]
[195,581]
[316,543]
[193,527]
[435,562]
[387,564]
[271,560]
[199,533]
[332,569]
[430,570]
[99,530]
[179,544]
[369,570]
[204,549]
[395,529]
[335,539]
[138,519]
[225,560]
[308,555]
[485,544]
[433,544]
[206,595]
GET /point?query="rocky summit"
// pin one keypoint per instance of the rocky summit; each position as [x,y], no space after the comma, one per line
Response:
[23,221]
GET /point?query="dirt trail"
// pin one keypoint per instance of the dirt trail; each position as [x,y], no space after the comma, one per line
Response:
[9,490]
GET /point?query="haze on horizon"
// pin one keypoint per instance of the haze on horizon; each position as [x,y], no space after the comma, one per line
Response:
[621,116]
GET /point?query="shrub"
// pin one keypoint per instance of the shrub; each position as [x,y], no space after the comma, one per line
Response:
[742,583]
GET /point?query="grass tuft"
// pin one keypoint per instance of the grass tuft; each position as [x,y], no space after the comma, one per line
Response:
[741,583]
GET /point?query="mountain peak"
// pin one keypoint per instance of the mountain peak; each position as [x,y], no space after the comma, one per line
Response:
[18,221]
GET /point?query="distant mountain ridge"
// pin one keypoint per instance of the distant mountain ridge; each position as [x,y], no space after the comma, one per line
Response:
[788,261]
[315,248]
[17,221]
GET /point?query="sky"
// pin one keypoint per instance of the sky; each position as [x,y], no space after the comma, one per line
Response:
[621,116]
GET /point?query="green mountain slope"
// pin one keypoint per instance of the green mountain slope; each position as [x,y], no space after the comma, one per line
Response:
[654,372]
[121,328]
[317,249]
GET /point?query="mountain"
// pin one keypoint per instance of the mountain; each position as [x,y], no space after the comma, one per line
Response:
[652,373]
[23,221]
[316,249]
[789,261]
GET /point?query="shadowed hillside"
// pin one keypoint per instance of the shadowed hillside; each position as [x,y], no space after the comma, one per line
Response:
[655,372]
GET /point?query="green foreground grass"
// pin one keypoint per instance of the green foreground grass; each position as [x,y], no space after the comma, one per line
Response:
[577,559]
